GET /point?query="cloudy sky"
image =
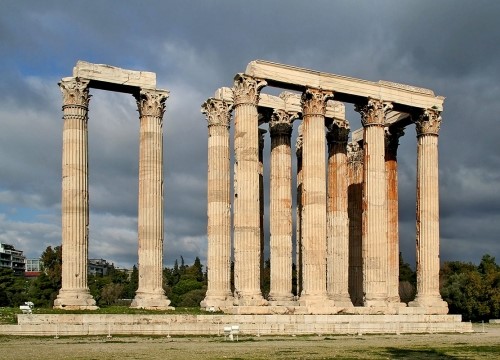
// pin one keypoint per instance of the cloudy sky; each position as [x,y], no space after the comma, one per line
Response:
[194,47]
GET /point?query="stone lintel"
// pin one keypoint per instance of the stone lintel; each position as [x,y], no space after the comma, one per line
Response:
[392,117]
[346,88]
[107,77]
[291,103]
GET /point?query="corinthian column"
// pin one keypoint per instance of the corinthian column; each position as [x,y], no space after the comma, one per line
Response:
[150,294]
[247,197]
[280,212]
[74,293]
[427,126]
[355,211]
[391,166]
[374,204]
[314,197]
[298,213]
[218,294]
[262,132]
[337,215]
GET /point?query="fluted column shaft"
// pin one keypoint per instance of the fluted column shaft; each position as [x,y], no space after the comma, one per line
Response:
[219,205]
[355,211]
[391,166]
[262,132]
[74,293]
[298,213]
[374,204]
[427,126]
[281,207]
[314,196]
[150,293]
[337,215]
[247,197]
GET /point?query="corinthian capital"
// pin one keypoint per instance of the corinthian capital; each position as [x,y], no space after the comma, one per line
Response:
[314,101]
[428,122]
[247,89]
[392,135]
[373,112]
[354,153]
[281,122]
[152,102]
[218,112]
[338,131]
[75,91]
[299,141]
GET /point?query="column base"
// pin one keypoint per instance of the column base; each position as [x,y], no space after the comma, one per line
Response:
[375,301]
[280,298]
[214,303]
[315,300]
[75,300]
[250,300]
[341,300]
[432,304]
[151,301]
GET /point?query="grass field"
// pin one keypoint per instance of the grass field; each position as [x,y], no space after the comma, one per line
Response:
[479,345]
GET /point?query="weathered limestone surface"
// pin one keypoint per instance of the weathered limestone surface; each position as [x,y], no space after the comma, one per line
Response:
[374,204]
[280,214]
[337,215]
[150,294]
[355,212]
[128,79]
[219,293]
[104,324]
[344,87]
[313,222]
[427,126]
[262,132]
[74,293]
[247,196]
[298,212]
[391,167]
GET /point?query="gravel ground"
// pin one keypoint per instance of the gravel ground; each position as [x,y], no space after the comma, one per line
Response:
[479,345]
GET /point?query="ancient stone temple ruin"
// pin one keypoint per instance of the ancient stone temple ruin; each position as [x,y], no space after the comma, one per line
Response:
[74,293]
[346,238]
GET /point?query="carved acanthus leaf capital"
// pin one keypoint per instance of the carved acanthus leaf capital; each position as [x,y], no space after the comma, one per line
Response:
[354,153]
[151,102]
[299,142]
[338,131]
[281,122]
[247,89]
[373,112]
[392,135]
[75,91]
[314,101]
[428,122]
[218,112]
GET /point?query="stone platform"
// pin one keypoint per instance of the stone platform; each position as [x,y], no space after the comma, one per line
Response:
[213,325]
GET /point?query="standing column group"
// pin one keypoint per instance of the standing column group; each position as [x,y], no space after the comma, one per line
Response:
[74,293]
[347,236]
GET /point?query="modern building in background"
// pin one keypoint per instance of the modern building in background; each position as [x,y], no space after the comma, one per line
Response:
[12,258]
[33,267]
[98,267]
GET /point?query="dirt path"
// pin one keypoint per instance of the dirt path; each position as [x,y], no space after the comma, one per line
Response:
[478,345]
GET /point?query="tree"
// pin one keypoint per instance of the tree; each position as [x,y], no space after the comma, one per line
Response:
[407,281]
[473,291]
[12,288]
[43,290]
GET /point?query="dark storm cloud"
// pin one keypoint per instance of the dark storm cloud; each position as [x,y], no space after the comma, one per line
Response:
[196,47]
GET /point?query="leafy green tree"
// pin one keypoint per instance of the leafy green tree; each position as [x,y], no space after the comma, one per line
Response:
[132,284]
[407,281]
[472,291]
[13,289]
[43,289]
